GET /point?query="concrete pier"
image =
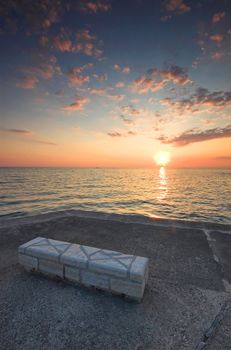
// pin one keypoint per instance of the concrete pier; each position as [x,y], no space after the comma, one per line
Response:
[187,301]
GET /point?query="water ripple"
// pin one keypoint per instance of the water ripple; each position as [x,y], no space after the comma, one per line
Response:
[203,195]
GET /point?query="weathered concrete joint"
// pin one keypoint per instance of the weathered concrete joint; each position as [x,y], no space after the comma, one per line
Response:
[104,269]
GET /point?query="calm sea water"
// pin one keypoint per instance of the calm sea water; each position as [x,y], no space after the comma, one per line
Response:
[202,195]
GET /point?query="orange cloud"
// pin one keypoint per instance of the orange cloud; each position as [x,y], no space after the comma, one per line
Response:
[125,69]
[75,78]
[61,44]
[87,44]
[174,74]
[116,67]
[217,38]
[45,70]
[177,6]
[142,85]
[96,6]
[216,56]
[27,82]
[85,35]
[106,92]
[120,84]
[99,91]
[78,105]
[218,16]
[51,18]
[156,79]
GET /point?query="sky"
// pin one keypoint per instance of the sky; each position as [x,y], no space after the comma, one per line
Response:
[114,83]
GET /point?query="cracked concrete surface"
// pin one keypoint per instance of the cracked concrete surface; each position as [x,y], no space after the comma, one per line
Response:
[186,303]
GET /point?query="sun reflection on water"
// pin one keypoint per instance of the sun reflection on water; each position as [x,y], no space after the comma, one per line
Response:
[163,184]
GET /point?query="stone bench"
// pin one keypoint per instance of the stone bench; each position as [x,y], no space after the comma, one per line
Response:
[104,269]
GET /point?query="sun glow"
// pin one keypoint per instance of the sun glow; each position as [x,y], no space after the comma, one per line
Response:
[162,158]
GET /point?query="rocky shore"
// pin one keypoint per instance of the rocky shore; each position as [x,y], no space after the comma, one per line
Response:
[186,305]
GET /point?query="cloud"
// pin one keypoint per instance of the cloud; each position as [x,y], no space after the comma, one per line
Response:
[199,99]
[27,135]
[102,77]
[96,6]
[59,93]
[206,42]
[98,91]
[114,134]
[52,16]
[48,143]
[75,78]
[177,6]
[78,105]
[118,68]
[156,79]
[195,135]
[218,55]
[87,44]
[130,110]
[122,134]
[127,120]
[33,16]
[132,133]
[217,38]
[174,74]
[218,16]
[120,84]
[17,131]
[32,74]
[116,97]
[142,85]
[126,70]
[61,44]
[105,91]
[27,82]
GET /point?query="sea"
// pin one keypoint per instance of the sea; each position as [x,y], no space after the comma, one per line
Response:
[186,194]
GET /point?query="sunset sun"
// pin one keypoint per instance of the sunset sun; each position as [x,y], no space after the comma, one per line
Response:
[162,158]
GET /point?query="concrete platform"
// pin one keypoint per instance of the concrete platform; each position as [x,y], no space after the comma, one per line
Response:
[105,269]
[187,298]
